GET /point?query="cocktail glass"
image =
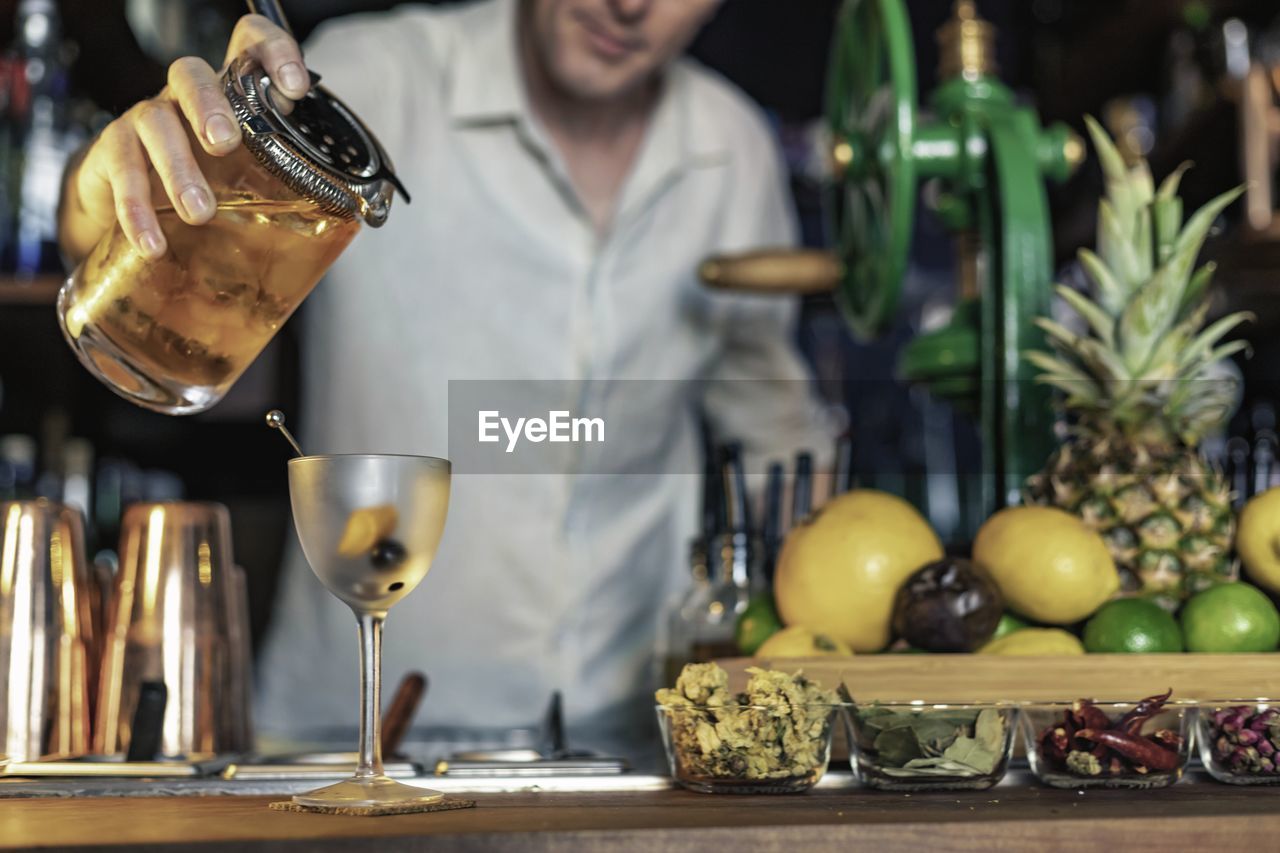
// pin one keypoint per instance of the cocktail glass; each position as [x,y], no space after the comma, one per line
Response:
[369,525]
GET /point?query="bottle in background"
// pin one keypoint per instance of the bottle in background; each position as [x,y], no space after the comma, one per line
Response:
[9,67]
[676,626]
[40,118]
[17,467]
[733,562]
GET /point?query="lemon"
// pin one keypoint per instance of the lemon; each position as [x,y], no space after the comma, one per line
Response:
[1035,642]
[1132,625]
[798,641]
[1231,617]
[839,571]
[364,527]
[1048,565]
[1258,539]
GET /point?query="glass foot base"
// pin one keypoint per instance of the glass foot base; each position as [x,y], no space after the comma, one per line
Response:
[118,371]
[368,791]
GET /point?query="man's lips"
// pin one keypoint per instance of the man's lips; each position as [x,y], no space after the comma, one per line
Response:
[604,42]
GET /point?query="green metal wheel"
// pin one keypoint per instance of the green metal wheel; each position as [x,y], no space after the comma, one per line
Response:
[870,110]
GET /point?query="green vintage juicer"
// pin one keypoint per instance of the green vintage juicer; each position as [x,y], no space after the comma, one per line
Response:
[985,160]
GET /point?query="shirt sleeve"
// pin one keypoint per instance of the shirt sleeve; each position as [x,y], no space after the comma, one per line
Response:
[761,390]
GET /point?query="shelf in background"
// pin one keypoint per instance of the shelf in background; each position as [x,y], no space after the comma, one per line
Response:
[986,678]
[41,290]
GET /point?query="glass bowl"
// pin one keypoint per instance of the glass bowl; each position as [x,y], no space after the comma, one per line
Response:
[1239,740]
[922,746]
[1060,758]
[747,749]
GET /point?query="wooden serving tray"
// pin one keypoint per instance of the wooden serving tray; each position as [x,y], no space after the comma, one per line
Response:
[967,677]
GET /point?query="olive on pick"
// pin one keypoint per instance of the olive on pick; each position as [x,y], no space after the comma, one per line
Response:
[387,554]
[949,605]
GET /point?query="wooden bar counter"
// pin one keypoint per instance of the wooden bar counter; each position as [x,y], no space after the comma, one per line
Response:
[1196,814]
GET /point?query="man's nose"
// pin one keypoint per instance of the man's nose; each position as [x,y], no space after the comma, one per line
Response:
[630,10]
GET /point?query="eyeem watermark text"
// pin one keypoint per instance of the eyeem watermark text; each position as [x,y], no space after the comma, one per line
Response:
[557,427]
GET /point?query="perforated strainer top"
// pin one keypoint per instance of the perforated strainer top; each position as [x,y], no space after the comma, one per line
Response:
[318,147]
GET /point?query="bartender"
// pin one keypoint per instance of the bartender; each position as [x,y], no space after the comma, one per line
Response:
[570,169]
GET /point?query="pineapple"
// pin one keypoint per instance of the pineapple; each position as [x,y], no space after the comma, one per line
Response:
[1139,389]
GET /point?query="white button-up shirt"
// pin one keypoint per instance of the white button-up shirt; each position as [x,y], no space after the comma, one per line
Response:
[551,580]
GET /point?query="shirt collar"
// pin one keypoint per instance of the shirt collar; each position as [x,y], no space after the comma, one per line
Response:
[487,84]
[488,87]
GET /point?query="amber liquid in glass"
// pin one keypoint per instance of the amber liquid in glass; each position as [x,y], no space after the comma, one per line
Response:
[174,334]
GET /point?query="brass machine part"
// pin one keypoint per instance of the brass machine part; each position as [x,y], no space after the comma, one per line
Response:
[1260,141]
[968,246]
[841,159]
[1073,151]
[966,44]
[773,271]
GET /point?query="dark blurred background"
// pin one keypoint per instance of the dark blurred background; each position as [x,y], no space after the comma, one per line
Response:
[1162,74]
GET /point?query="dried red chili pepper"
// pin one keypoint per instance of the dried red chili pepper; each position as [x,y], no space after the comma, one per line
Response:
[1055,743]
[1089,716]
[1137,749]
[1131,723]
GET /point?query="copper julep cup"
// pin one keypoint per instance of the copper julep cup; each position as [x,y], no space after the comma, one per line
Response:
[48,632]
[178,614]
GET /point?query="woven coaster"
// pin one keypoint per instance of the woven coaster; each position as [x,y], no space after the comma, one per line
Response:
[446,805]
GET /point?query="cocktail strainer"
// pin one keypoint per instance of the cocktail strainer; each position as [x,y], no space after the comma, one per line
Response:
[316,146]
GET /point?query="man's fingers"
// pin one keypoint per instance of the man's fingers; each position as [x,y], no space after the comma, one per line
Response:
[165,141]
[120,163]
[198,90]
[275,49]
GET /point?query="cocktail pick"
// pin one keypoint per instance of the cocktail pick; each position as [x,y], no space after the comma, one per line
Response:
[275,420]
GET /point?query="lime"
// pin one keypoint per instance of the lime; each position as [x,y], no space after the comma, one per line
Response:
[756,624]
[1132,625]
[1231,617]
[1035,642]
[1008,624]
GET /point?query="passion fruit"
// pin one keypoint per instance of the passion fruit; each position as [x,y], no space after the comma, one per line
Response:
[949,605]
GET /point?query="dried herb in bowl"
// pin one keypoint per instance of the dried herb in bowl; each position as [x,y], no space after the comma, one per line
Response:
[910,743]
[775,736]
[1245,739]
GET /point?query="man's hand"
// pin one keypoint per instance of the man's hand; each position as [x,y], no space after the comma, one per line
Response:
[111,181]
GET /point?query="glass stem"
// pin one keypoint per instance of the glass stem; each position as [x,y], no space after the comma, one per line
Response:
[370,695]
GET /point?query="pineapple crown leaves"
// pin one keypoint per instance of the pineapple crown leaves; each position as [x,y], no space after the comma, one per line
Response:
[1146,357]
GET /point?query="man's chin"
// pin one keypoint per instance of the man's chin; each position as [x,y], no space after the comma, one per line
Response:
[598,84]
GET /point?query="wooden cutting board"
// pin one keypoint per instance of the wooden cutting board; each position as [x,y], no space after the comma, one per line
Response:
[961,678]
